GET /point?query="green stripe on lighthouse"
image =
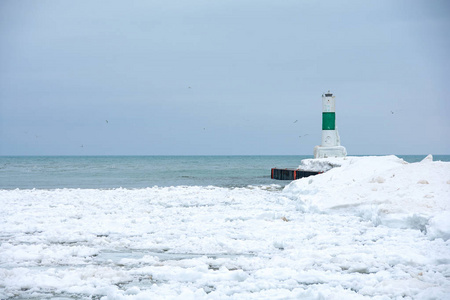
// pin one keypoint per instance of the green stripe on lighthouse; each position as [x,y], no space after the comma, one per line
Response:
[328,121]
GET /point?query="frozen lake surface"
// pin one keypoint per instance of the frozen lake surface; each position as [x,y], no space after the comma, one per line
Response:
[374,228]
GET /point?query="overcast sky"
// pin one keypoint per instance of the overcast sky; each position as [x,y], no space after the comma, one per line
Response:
[222,77]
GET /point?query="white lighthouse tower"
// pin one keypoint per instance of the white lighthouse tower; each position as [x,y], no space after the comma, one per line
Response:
[331,143]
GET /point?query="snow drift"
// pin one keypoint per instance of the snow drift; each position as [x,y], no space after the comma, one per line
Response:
[384,189]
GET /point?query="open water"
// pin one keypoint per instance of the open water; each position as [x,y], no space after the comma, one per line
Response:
[105,172]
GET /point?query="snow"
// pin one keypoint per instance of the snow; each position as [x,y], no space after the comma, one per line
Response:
[368,228]
[385,190]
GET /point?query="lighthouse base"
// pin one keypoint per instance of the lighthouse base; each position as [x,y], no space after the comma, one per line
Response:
[324,152]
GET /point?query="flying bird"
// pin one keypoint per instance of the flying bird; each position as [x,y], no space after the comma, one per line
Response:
[295,121]
[396,111]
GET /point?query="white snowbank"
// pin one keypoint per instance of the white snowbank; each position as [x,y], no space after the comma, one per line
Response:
[385,190]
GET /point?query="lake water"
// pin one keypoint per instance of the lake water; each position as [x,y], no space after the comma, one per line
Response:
[103,172]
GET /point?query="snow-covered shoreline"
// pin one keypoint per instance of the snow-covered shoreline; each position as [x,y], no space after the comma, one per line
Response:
[384,189]
[373,228]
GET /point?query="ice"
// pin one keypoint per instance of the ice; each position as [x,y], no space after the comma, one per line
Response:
[368,228]
[384,189]
[439,226]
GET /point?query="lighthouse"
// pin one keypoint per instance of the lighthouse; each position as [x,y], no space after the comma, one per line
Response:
[331,144]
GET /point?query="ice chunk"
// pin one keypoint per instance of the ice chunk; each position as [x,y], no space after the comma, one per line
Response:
[439,226]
